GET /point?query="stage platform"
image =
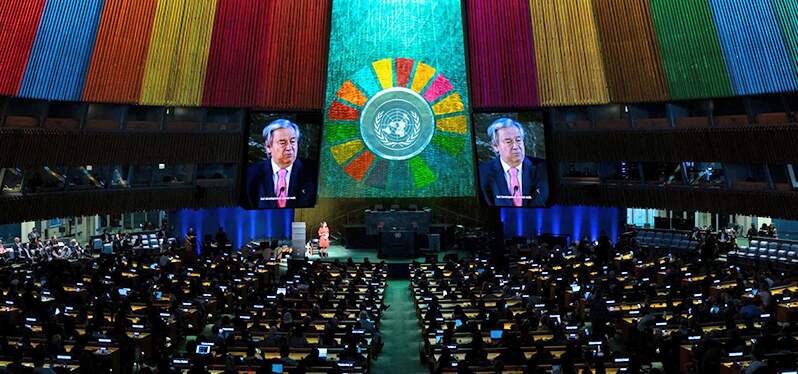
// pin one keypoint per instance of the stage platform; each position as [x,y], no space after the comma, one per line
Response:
[342,253]
[397,267]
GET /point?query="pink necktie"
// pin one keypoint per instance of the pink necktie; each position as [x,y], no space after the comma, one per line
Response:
[282,189]
[515,189]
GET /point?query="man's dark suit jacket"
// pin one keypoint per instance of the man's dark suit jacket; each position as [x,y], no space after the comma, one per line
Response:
[301,184]
[534,182]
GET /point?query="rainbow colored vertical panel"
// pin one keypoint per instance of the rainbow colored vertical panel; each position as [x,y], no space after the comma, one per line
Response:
[120,53]
[61,53]
[233,69]
[787,15]
[630,51]
[501,54]
[396,112]
[178,52]
[691,52]
[755,52]
[567,53]
[19,21]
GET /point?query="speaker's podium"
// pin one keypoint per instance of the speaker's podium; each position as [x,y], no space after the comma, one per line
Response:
[397,243]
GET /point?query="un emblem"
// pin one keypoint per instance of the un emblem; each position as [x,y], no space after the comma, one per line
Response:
[397,123]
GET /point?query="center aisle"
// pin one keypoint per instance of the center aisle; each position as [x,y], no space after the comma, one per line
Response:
[400,332]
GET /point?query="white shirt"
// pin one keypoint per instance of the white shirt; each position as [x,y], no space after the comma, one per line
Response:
[507,176]
[276,177]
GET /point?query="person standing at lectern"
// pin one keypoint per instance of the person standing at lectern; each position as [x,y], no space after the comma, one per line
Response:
[511,178]
[282,180]
[190,246]
[324,239]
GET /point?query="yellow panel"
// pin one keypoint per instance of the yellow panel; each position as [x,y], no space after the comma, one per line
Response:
[178,53]
[456,124]
[423,74]
[345,151]
[384,70]
[567,53]
[450,104]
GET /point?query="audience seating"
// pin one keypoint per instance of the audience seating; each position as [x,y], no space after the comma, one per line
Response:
[673,240]
[114,309]
[767,250]
[549,310]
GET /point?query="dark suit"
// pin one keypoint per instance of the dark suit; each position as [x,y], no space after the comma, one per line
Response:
[534,182]
[301,185]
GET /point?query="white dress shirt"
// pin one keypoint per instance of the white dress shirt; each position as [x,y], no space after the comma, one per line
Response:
[276,177]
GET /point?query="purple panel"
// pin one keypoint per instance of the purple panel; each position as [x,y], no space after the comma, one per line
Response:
[501,55]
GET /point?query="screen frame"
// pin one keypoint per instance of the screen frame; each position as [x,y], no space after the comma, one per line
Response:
[314,116]
[552,162]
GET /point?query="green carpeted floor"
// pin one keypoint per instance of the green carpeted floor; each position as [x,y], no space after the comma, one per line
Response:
[401,334]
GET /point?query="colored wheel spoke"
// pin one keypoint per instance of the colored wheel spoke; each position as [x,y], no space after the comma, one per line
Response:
[423,176]
[339,111]
[452,103]
[345,151]
[359,166]
[350,93]
[451,144]
[338,132]
[455,124]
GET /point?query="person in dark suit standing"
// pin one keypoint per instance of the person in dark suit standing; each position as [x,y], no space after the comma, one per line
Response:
[511,178]
[282,180]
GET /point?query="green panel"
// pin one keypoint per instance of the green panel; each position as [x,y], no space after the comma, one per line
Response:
[787,15]
[423,176]
[450,144]
[691,52]
[339,132]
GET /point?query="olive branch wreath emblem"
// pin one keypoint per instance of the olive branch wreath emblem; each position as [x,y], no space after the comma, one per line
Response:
[415,130]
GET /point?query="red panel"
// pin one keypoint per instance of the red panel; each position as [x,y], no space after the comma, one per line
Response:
[342,112]
[236,46]
[403,68]
[358,167]
[19,21]
[294,61]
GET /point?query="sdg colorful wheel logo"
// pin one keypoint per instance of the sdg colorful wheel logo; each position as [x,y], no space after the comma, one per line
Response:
[392,112]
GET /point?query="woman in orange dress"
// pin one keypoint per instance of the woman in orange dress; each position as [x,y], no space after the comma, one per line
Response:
[324,239]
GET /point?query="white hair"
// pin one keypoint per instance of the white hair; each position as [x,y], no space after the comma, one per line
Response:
[503,123]
[279,124]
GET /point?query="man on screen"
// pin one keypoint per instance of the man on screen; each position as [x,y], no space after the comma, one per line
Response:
[282,180]
[511,178]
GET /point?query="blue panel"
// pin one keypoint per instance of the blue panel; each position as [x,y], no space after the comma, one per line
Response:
[62,50]
[753,46]
[240,225]
[9,232]
[573,221]
[787,229]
